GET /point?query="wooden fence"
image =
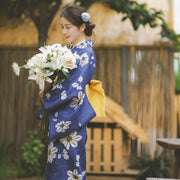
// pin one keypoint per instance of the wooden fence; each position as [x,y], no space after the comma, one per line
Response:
[139,78]
[108,151]
[151,94]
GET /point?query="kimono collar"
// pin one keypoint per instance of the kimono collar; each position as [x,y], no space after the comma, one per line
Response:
[82,43]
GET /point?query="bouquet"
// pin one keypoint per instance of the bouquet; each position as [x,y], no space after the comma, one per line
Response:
[51,65]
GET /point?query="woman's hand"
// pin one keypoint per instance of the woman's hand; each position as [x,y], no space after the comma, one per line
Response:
[47,85]
[41,96]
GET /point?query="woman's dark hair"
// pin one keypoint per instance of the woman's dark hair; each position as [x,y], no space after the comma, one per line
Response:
[73,14]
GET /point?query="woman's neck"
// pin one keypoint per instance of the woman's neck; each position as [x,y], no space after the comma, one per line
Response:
[78,41]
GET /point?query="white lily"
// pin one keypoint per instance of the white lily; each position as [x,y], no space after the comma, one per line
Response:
[40,78]
[16,68]
[51,59]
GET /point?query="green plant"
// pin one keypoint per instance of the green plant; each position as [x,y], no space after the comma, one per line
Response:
[6,168]
[158,166]
[33,154]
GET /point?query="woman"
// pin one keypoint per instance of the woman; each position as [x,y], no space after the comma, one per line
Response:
[68,106]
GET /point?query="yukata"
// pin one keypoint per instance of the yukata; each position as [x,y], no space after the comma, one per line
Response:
[69,112]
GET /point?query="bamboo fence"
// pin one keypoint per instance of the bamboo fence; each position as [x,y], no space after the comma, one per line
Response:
[149,92]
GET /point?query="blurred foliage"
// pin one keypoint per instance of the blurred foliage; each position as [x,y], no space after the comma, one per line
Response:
[27,7]
[32,163]
[158,166]
[32,156]
[6,168]
[139,14]
[41,12]
[177,74]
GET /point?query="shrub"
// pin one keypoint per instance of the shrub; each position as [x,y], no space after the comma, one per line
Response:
[158,166]
[6,168]
[33,155]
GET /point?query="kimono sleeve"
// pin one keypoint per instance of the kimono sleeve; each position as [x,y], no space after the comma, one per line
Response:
[70,88]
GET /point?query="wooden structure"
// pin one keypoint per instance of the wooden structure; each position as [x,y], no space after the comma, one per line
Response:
[175,145]
[108,144]
[145,73]
[141,79]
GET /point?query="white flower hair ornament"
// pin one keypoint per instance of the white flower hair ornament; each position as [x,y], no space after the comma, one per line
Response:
[85,17]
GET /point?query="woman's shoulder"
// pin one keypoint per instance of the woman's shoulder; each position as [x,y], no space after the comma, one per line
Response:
[84,46]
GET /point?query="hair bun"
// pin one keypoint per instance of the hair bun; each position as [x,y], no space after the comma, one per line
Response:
[89,28]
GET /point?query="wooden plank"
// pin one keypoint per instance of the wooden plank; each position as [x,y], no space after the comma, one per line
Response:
[102,67]
[110,68]
[125,172]
[107,149]
[10,95]
[2,95]
[169,143]
[88,149]
[106,119]
[118,139]
[116,74]
[97,149]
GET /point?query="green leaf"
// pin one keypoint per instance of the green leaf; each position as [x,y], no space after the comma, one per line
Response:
[30,82]
[65,74]
[49,57]
[143,171]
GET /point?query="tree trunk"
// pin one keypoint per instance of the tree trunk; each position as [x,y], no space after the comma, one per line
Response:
[42,35]
[43,25]
[43,17]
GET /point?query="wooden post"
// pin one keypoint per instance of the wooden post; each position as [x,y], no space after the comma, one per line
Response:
[124,79]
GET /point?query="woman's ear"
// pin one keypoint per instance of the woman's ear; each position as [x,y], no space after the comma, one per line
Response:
[82,28]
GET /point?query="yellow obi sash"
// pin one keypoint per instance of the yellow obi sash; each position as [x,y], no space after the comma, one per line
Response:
[95,94]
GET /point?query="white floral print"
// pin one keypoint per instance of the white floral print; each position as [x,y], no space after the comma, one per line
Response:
[76,101]
[48,95]
[73,175]
[65,154]
[77,85]
[82,45]
[56,114]
[57,86]
[83,173]
[71,140]
[63,95]
[77,160]
[51,152]
[84,59]
[59,156]
[62,126]
[54,119]
[90,43]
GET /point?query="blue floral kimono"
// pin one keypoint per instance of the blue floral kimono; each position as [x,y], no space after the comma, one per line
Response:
[69,112]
